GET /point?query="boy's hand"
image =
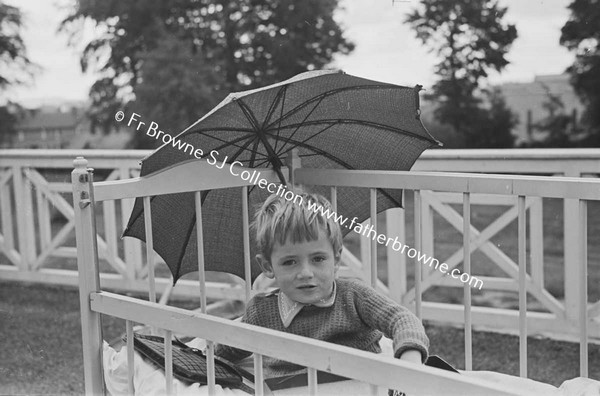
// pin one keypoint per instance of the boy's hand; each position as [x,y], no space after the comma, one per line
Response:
[411,355]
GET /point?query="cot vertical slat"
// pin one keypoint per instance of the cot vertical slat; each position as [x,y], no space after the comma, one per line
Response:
[200,250]
[210,355]
[312,381]
[168,362]
[365,252]
[427,231]
[396,260]
[373,390]
[417,210]
[466,286]
[110,227]
[130,356]
[149,249]
[583,297]
[522,236]
[334,198]
[210,366]
[246,239]
[132,248]
[373,209]
[259,389]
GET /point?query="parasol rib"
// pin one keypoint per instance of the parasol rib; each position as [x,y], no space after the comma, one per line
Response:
[284,89]
[339,162]
[306,140]
[273,158]
[330,93]
[250,137]
[303,122]
[366,123]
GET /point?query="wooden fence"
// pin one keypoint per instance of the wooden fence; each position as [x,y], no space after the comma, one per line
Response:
[37,231]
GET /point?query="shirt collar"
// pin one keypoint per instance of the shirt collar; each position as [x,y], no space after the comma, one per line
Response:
[288,308]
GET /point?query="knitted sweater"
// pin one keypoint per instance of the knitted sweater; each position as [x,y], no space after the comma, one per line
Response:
[357,319]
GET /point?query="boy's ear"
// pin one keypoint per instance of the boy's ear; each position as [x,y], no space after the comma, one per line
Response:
[338,259]
[265,265]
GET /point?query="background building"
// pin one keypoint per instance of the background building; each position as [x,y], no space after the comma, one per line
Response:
[49,128]
[64,126]
[527,100]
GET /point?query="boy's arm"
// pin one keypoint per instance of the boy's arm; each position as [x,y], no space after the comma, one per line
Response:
[231,354]
[234,354]
[393,320]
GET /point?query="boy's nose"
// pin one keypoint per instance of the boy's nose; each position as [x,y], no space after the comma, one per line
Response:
[305,271]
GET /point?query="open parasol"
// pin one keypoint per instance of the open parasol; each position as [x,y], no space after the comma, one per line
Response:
[333,120]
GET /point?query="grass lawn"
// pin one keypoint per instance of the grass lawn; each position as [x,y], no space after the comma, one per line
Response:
[41,344]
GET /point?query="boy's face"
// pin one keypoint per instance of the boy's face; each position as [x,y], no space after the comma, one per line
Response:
[303,271]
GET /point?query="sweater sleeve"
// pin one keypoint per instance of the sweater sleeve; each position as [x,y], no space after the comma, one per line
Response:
[232,354]
[392,319]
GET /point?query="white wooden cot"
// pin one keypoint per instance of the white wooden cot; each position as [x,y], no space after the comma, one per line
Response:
[316,355]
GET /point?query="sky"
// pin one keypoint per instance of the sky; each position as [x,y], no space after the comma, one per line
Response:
[386,49]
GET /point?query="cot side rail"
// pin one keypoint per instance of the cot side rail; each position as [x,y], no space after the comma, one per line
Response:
[193,175]
[363,366]
[536,186]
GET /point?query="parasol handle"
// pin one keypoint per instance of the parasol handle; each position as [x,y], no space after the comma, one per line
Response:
[293,162]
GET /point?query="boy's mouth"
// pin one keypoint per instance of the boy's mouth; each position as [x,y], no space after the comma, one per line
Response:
[306,287]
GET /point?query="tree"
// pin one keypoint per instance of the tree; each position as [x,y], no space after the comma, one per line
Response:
[8,121]
[581,34]
[492,124]
[470,38]
[174,102]
[15,66]
[559,128]
[200,50]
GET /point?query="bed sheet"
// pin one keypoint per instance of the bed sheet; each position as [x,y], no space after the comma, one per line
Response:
[149,380]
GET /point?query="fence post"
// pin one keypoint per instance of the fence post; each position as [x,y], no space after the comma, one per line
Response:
[571,258]
[89,281]
[571,255]
[536,240]
[7,214]
[29,223]
[21,215]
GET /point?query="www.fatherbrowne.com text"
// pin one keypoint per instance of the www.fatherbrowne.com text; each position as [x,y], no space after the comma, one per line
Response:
[254,177]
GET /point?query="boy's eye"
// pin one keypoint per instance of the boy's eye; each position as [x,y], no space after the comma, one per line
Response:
[288,262]
[319,259]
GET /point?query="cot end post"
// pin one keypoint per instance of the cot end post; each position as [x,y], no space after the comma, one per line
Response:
[89,281]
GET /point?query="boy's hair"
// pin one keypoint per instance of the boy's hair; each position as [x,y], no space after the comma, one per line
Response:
[280,220]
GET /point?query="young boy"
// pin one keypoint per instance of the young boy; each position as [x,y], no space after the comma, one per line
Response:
[301,251]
